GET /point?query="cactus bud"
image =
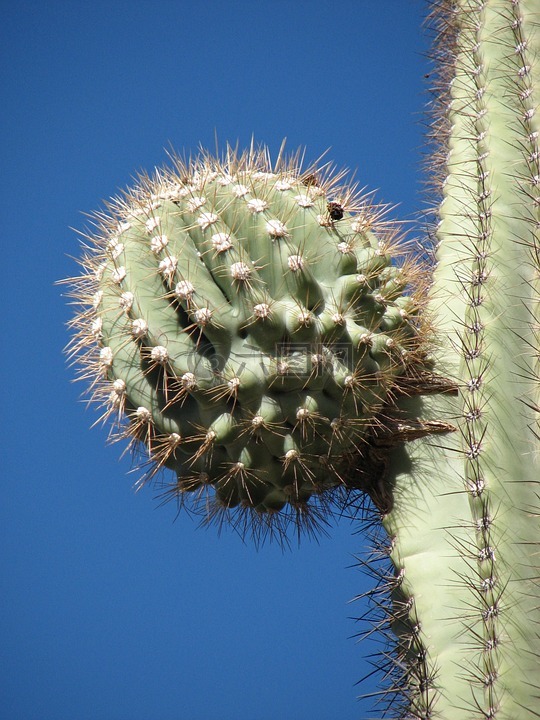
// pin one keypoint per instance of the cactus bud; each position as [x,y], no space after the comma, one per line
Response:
[252,330]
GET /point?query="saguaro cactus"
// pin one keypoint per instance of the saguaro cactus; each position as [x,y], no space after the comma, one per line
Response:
[248,324]
[465,525]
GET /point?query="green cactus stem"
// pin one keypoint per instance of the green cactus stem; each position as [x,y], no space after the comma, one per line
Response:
[465,524]
[251,326]
[259,332]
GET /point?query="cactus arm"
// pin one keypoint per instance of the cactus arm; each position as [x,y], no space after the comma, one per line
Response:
[217,299]
[465,525]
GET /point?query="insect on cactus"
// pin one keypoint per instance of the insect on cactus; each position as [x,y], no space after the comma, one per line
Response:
[261,332]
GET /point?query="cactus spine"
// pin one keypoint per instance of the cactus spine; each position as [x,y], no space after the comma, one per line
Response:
[465,524]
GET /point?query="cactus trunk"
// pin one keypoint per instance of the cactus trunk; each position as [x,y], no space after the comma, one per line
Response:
[465,523]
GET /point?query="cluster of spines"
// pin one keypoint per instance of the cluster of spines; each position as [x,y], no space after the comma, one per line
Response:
[196,247]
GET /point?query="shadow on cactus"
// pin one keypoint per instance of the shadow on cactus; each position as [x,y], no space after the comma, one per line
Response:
[252,326]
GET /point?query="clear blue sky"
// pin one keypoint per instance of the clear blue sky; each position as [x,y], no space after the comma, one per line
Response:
[111,610]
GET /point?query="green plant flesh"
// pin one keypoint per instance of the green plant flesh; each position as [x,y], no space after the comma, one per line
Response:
[259,332]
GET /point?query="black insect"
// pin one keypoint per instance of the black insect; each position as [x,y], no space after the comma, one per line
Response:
[335,210]
[310,180]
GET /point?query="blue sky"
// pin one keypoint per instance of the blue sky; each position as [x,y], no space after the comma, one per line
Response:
[112,610]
